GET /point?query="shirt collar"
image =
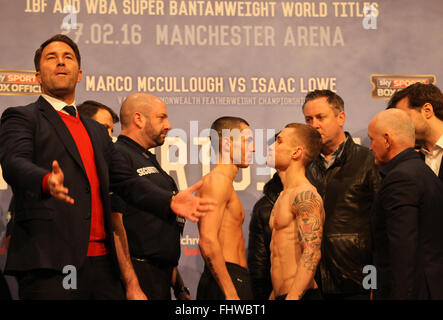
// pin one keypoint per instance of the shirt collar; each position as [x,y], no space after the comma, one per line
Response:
[437,146]
[128,140]
[57,104]
[337,153]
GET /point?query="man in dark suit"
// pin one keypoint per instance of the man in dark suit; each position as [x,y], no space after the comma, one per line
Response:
[407,219]
[424,104]
[61,245]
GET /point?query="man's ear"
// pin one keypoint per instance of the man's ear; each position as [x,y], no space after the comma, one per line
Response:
[388,140]
[226,149]
[138,119]
[427,110]
[80,75]
[38,77]
[298,153]
[226,144]
[341,118]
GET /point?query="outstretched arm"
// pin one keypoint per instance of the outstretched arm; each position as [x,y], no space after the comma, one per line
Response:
[309,212]
[187,205]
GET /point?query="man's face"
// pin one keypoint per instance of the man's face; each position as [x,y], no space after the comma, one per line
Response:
[420,124]
[378,144]
[59,70]
[247,146]
[157,124]
[105,118]
[241,146]
[280,152]
[320,115]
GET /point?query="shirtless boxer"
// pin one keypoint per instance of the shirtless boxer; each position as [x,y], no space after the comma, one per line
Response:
[297,217]
[221,236]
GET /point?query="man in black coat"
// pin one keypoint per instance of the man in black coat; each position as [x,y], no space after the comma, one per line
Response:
[407,219]
[259,261]
[61,245]
[347,179]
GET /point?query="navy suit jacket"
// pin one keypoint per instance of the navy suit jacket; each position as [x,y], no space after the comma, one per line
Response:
[48,233]
[440,173]
[407,223]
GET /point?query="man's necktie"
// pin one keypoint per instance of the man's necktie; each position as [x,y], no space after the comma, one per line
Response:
[70,110]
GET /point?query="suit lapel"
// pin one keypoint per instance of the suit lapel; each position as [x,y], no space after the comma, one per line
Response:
[440,173]
[62,131]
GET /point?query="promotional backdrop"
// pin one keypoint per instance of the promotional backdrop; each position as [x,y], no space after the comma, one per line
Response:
[206,59]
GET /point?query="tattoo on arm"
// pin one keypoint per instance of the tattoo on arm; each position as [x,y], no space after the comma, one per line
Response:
[211,268]
[309,210]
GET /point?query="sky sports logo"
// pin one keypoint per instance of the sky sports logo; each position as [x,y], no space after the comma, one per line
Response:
[385,85]
[19,82]
[190,245]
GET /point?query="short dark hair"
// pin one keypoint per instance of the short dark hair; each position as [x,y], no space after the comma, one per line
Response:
[418,94]
[334,99]
[218,125]
[309,138]
[57,37]
[90,107]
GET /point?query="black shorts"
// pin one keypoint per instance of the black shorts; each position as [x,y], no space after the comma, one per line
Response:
[208,288]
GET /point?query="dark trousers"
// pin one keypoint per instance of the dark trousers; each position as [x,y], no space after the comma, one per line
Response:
[208,288]
[154,278]
[97,279]
[4,288]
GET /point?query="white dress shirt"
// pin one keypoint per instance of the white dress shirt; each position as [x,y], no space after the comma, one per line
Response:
[58,105]
[433,159]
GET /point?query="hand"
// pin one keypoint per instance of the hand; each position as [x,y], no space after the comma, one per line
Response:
[135,293]
[55,184]
[184,296]
[186,205]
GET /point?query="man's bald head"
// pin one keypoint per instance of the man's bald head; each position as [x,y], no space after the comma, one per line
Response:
[144,119]
[398,124]
[137,102]
[391,132]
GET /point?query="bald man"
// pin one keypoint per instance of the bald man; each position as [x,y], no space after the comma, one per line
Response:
[407,220]
[153,240]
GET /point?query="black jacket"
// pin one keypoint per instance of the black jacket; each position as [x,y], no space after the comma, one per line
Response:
[407,224]
[150,236]
[259,255]
[348,189]
[48,233]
